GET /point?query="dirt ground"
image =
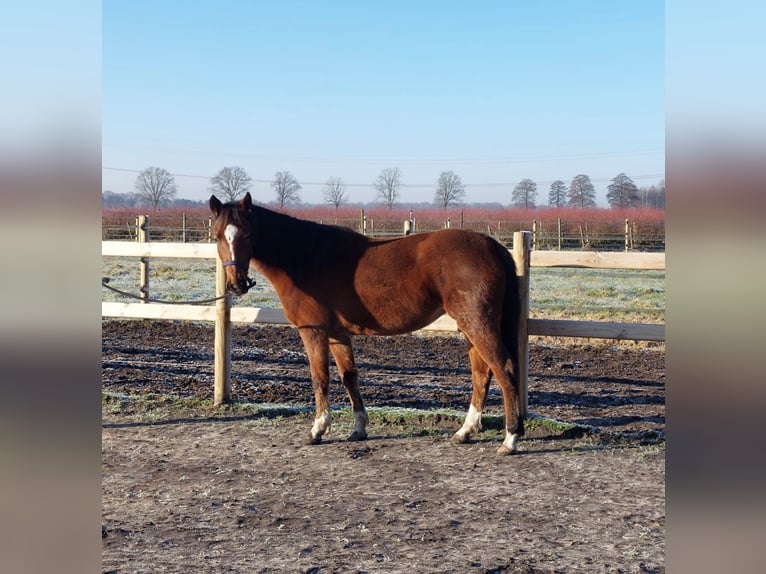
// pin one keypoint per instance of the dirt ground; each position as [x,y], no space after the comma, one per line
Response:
[192,488]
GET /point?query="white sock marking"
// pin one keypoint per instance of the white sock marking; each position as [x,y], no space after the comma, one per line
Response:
[472,422]
[510,441]
[321,424]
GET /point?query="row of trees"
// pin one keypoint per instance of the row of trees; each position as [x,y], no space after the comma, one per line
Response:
[155,186]
[621,193]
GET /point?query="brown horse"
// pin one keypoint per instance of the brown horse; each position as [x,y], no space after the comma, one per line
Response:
[334,283]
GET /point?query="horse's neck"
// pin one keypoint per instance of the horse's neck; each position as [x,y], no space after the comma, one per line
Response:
[277,243]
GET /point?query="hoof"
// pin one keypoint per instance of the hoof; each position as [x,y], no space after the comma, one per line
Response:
[461,439]
[357,436]
[504,450]
[310,439]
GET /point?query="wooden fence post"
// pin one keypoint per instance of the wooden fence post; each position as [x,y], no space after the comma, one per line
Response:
[222,344]
[142,236]
[627,236]
[521,255]
[633,234]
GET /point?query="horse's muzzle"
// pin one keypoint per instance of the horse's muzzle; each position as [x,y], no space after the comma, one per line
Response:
[243,282]
[236,288]
[241,286]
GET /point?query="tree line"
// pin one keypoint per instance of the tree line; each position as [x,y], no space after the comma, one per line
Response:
[156,186]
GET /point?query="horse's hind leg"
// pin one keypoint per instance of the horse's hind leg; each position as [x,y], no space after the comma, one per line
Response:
[505,367]
[481,376]
[349,376]
[514,423]
[316,343]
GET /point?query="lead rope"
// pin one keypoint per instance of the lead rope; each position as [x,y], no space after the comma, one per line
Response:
[105,281]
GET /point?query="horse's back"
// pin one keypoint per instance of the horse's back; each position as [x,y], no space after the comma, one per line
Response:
[422,258]
[458,252]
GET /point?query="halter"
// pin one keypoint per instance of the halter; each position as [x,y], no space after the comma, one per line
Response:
[245,268]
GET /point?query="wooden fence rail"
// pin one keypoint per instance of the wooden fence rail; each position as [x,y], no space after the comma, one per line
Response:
[224,314]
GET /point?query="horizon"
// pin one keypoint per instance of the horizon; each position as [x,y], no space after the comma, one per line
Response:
[429,208]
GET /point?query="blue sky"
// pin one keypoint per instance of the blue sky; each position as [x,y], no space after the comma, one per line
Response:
[495,91]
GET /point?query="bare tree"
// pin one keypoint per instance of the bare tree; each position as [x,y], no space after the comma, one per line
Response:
[581,192]
[557,195]
[622,192]
[524,194]
[155,185]
[653,196]
[114,199]
[449,189]
[335,192]
[387,185]
[231,183]
[286,187]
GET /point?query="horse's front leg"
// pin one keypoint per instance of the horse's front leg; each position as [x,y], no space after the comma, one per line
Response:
[344,358]
[316,343]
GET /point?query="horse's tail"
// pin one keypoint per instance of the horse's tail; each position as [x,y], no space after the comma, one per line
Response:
[510,323]
[511,317]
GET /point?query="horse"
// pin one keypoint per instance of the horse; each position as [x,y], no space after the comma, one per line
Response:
[334,283]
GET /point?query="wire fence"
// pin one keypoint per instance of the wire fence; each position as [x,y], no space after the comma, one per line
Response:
[559,234]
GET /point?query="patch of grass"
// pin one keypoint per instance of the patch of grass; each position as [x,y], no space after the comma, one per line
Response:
[604,291]
[153,406]
[536,423]
[406,422]
[648,452]
[597,294]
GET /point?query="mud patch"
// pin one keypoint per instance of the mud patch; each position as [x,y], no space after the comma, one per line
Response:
[189,487]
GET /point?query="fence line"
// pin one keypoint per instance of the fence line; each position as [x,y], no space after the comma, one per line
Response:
[223,314]
[546,234]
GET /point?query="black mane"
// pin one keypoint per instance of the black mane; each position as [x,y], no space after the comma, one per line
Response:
[299,246]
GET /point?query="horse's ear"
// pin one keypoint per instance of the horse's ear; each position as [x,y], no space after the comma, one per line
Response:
[246,201]
[215,205]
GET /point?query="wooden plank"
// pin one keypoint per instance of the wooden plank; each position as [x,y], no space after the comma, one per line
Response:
[159,249]
[443,323]
[589,259]
[191,312]
[258,315]
[158,311]
[596,329]
[548,327]
[598,260]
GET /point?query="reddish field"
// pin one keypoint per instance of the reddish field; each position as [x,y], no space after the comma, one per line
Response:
[595,226]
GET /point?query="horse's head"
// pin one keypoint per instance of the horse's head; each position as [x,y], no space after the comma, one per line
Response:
[232,233]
